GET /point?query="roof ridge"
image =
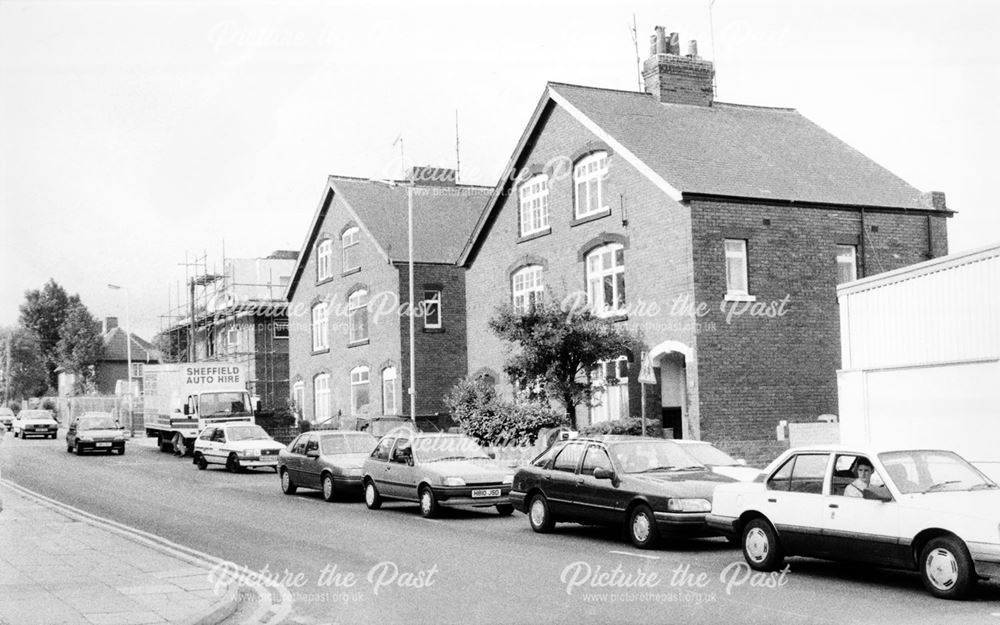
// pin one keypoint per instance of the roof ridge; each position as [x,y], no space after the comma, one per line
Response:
[567,84]
[756,106]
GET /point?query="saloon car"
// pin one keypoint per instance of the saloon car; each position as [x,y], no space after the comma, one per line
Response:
[95,431]
[923,510]
[238,445]
[435,470]
[330,461]
[35,423]
[719,461]
[651,486]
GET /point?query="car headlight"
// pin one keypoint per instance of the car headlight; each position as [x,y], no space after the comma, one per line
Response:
[86,439]
[689,505]
[119,439]
[454,481]
[250,452]
[354,472]
[508,479]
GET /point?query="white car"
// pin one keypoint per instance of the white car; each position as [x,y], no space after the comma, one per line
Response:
[719,461]
[238,446]
[35,423]
[924,510]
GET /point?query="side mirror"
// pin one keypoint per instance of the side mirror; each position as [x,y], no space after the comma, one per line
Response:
[603,474]
[312,453]
[492,455]
[187,409]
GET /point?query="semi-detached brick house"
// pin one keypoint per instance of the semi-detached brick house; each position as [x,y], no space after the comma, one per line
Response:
[717,232]
[348,327]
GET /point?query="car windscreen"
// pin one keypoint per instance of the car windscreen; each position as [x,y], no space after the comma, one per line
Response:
[437,448]
[222,404]
[247,433]
[932,471]
[35,414]
[713,456]
[97,423]
[346,444]
[644,456]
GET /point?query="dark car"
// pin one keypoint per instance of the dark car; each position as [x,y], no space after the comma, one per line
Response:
[330,461]
[95,431]
[650,485]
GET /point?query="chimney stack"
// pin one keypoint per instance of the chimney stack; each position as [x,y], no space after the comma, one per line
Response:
[110,323]
[676,79]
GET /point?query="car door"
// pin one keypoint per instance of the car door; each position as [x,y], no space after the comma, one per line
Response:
[866,528]
[216,446]
[203,443]
[293,458]
[560,481]
[794,502]
[379,462]
[310,465]
[400,474]
[598,501]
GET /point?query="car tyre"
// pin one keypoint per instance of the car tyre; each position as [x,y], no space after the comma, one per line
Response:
[372,498]
[79,450]
[761,548]
[505,509]
[946,568]
[69,448]
[428,503]
[539,515]
[233,463]
[642,530]
[121,451]
[329,489]
[287,485]
[201,462]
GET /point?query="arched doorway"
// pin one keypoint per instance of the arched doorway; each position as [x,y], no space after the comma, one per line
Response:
[671,358]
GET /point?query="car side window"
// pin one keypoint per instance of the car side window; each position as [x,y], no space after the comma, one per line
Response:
[312,444]
[298,446]
[399,452]
[782,477]
[808,473]
[545,458]
[207,434]
[382,450]
[219,436]
[595,458]
[569,458]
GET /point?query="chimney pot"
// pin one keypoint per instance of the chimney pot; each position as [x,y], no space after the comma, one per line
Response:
[693,48]
[674,45]
[661,41]
[675,79]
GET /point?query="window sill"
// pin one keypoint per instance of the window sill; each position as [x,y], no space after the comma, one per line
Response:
[350,271]
[358,343]
[601,214]
[433,330]
[534,235]
[739,297]
[324,280]
[613,317]
[325,350]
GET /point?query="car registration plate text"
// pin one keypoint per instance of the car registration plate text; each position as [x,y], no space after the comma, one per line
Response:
[486,492]
[104,444]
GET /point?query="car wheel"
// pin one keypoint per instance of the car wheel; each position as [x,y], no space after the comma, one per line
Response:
[539,516]
[761,548]
[946,568]
[372,499]
[428,503]
[69,448]
[233,463]
[287,485]
[642,529]
[79,450]
[329,491]
[121,451]
[201,462]
[505,509]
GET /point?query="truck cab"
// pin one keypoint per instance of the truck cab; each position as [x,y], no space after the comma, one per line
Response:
[218,406]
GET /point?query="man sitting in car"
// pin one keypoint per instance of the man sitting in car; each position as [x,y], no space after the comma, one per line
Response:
[862,486]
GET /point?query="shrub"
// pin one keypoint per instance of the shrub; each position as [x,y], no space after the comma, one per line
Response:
[478,411]
[15,407]
[48,404]
[631,426]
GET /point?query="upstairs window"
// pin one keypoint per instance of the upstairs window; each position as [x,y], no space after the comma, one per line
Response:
[432,310]
[319,334]
[847,263]
[737,283]
[360,392]
[357,307]
[527,288]
[350,240]
[589,175]
[324,260]
[606,279]
[534,197]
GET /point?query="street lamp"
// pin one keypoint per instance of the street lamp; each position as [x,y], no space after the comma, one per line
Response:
[128,338]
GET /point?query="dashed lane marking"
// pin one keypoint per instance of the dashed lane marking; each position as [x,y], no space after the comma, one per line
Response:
[635,555]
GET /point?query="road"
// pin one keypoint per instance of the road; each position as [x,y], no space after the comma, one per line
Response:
[469,566]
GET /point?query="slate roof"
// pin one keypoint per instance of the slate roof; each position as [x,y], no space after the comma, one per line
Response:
[115,347]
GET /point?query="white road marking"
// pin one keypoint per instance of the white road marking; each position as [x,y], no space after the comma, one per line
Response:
[635,555]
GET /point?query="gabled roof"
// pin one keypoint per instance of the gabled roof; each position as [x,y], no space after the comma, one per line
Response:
[443,218]
[116,348]
[727,150]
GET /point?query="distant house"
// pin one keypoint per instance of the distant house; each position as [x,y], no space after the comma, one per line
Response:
[111,372]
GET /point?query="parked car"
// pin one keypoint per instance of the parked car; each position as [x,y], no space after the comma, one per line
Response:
[6,417]
[923,510]
[719,461]
[652,486]
[330,461]
[95,431]
[238,445]
[435,470]
[35,423]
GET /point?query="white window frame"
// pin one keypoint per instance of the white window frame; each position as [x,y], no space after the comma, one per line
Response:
[360,376]
[847,258]
[390,405]
[432,300]
[598,274]
[324,259]
[357,308]
[349,240]
[137,370]
[526,287]
[299,398]
[533,197]
[610,401]
[320,335]
[589,175]
[321,397]
[737,270]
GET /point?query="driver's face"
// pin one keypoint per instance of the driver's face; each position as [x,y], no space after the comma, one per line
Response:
[865,473]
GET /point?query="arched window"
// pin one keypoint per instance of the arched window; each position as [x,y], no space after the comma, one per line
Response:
[534,198]
[526,287]
[319,327]
[321,397]
[324,259]
[589,174]
[606,279]
[357,311]
[350,240]
[360,392]
[389,406]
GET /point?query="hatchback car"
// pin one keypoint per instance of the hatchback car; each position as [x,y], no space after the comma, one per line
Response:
[35,423]
[435,470]
[95,431]
[330,461]
[649,485]
[924,510]
[238,445]
[719,461]
[6,418]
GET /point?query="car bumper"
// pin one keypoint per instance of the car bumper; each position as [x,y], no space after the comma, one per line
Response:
[683,523]
[256,463]
[34,432]
[725,525]
[462,495]
[986,557]
[345,482]
[518,500]
[100,445]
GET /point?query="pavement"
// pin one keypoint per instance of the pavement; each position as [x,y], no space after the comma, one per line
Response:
[63,566]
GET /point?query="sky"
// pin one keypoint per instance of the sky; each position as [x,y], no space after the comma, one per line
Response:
[136,135]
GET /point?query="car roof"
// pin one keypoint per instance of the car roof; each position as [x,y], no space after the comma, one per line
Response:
[615,438]
[864,450]
[342,433]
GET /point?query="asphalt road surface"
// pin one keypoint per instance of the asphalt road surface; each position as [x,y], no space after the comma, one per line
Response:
[343,563]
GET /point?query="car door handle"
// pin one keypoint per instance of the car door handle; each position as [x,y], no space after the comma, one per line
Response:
[579,482]
[834,505]
[772,500]
[547,478]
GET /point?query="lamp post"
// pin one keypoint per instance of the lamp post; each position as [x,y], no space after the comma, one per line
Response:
[128,339]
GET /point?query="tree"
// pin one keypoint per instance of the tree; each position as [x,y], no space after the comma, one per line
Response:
[43,313]
[555,349]
[22,363]
[80,346]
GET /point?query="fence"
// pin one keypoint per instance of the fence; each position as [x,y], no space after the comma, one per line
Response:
[127,413]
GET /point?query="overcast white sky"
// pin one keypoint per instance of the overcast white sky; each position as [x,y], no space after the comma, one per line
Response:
[134,132]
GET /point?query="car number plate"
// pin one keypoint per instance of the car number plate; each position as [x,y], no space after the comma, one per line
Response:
[486,492]
[104,444]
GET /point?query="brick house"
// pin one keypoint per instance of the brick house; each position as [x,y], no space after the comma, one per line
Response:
[111,371]
[717,232]
[349,331]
